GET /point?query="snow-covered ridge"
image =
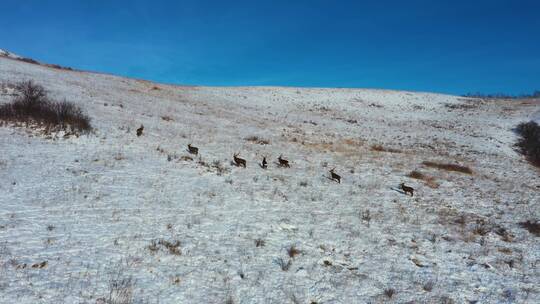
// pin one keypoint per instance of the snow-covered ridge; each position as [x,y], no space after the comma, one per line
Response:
[116,218]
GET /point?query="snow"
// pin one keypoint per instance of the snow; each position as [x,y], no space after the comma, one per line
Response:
[92,206]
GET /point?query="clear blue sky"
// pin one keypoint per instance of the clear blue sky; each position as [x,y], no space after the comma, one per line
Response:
[442,46]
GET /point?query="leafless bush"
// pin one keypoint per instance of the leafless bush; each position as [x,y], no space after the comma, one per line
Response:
[529,143]
[430,181]
[220,169]
[258,140]
[447,300]
[380,148]
[428,286]
[292,251]
[366,217]
[259,243]
[389,292]
[283,265]
[461,106]
[173,247]
[448,167]
[28,60]
[120,291]
[33,106]
[531,226]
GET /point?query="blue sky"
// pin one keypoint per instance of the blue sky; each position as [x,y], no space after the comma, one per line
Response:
[441,46]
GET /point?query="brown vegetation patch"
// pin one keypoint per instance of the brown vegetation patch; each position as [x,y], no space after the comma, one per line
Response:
[34,108]
[257,140]
[380,148]
[529,143]
[345,146]
[531,226]
[429,180]
[448,167]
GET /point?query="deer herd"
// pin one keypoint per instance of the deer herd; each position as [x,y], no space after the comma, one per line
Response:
[281,163]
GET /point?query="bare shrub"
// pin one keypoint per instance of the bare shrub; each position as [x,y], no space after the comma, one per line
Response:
[529,143]
[416,175]
[389,292]
[220,169]
[380,148]
[430,181]
[120,291]
[292,251]
[33,106]
[428,286]
[173,247]
[448,167]
[531,226]
[366,217]
[283,265]
[28,60]
[257,140]
[259,243]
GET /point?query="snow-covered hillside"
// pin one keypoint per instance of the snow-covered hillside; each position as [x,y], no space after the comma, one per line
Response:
[96,219]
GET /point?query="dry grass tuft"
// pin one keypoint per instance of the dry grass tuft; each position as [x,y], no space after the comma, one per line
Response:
[380,148]
[531,226]
[429,180]
[529,143]
[448,167]
[389,292]
[285,266]
[172,247]
[257,140]
[259,243]
[292,251]
[33,106]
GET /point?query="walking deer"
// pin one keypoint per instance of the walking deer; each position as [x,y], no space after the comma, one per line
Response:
[335,176]
[264,164]
[239,161]
[140,130]
[407,189]
[283,162]
[192,149]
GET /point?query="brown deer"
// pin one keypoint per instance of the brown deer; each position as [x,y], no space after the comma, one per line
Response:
[239,161]
[335,176]
[407,189]
[283,162]
[192,149]
[140,130]
[264,164]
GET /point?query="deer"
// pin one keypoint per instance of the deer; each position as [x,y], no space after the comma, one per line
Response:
[192,149]
[239,161]
[335,176]
[264,164]
[407,189]
[283,162]
[140,130]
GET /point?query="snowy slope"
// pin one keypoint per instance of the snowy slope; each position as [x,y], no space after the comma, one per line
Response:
[95,207]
